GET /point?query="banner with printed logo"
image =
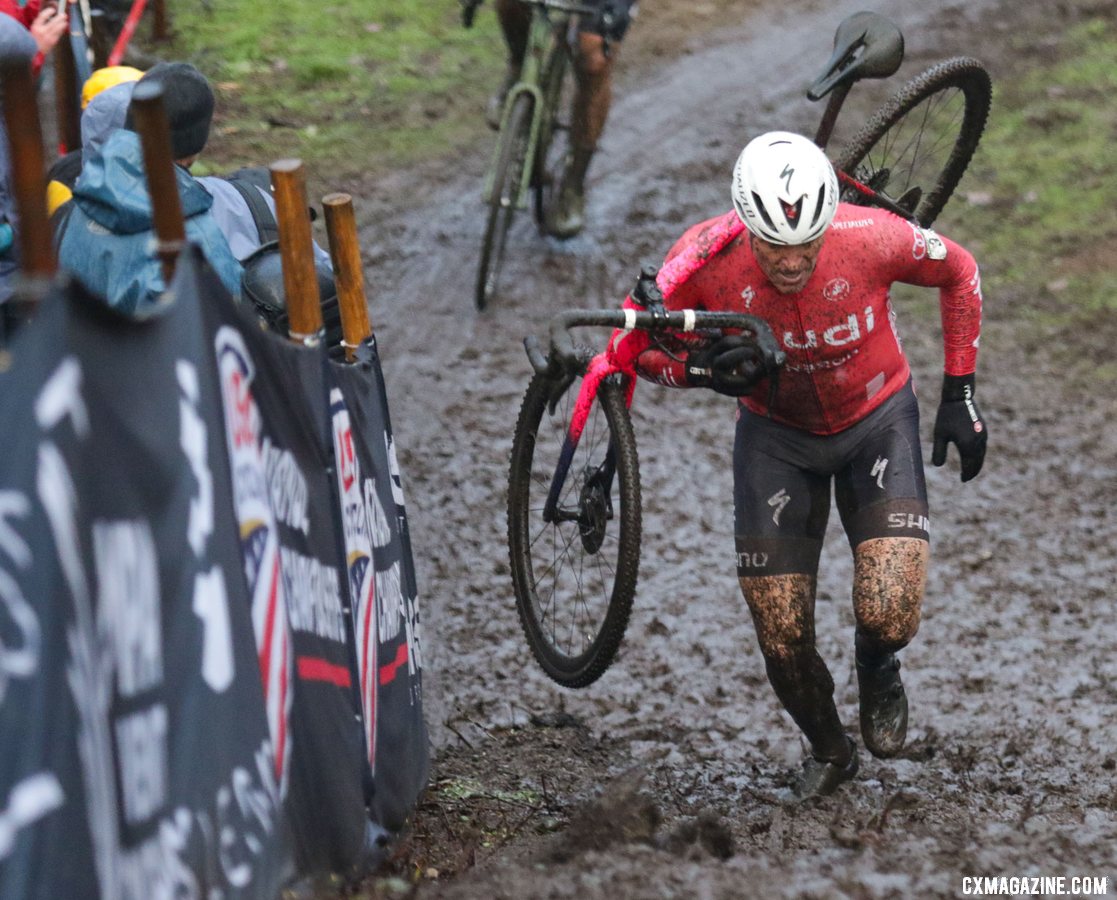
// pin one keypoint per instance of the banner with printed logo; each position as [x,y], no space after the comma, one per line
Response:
[274,395]
[137,758]
[382,579]
[185,708]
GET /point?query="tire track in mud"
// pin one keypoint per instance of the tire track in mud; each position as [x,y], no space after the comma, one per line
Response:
[1012,681]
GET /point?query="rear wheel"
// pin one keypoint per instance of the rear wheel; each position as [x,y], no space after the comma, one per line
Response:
[507,178]
[916,147]
[574,576]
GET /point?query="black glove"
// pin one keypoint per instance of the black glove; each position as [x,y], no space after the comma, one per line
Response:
[959,422]
[732,365]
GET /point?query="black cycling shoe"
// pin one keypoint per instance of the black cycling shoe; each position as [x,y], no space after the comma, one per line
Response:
[884,707]
[820,778]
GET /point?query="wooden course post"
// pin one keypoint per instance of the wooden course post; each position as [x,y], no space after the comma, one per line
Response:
[67,97]
[159,167]
[296,251]
[345,252]
[29,180]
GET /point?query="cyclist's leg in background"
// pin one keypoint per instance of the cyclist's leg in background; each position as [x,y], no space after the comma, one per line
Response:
[594,58]
[780,510]
[515,19]
[882,499]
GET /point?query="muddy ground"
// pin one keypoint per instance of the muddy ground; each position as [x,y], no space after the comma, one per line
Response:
[668,777]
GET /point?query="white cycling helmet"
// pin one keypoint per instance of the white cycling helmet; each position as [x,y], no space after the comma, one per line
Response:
[784,188]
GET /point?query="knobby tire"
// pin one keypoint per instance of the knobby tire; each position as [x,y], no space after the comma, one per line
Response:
[573,601]
[507,177]
[922,139]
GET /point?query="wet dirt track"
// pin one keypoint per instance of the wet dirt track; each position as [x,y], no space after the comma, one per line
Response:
[1012,679]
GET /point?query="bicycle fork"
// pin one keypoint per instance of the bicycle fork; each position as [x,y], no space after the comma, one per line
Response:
[594,501]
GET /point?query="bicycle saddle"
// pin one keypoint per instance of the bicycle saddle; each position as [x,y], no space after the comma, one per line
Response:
[866,45]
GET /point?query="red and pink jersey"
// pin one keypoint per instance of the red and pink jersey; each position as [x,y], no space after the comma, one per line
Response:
[844,356]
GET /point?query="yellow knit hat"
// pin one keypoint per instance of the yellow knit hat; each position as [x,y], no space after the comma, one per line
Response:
[105,78]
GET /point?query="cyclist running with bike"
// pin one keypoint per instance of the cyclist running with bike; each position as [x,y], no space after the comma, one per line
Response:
[842,410]
[594,57]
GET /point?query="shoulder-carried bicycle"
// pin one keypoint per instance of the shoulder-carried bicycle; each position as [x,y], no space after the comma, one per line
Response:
[534,131]
[574,505]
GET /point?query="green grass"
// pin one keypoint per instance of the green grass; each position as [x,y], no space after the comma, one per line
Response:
[345,86]
[358,89]
[1044,222]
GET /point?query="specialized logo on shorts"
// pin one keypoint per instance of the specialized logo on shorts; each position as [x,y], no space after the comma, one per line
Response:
[778,501]
[836,289]
[878,471]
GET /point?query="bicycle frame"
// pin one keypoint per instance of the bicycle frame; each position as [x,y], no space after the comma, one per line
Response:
[547,35]
[642,317]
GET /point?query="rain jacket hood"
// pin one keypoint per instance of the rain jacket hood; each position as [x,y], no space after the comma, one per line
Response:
[104,115]
[107,240]
[112,188]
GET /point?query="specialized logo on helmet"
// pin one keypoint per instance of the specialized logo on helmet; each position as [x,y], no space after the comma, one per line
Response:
[786,176]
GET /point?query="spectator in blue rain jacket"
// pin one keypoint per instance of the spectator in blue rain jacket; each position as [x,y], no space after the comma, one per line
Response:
[106,240]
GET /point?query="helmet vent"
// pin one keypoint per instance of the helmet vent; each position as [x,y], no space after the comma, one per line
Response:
[759,204]
[792,212]
[819,206]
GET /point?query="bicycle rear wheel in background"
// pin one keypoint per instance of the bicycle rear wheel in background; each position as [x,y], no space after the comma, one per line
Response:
[554,129]
[507,178]
[575,577]
[916,147]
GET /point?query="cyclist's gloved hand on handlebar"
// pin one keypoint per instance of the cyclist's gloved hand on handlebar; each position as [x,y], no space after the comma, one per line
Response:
[732,365]
[959,422]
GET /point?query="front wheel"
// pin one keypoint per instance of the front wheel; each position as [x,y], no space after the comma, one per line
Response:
[575,575]
[504,196]
[916,147]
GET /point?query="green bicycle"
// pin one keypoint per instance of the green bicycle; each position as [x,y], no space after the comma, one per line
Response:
[534,129]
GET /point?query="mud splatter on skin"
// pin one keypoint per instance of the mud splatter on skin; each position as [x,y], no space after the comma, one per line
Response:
[782,608]
[888,581]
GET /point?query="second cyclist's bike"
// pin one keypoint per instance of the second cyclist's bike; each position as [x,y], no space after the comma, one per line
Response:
[534,131]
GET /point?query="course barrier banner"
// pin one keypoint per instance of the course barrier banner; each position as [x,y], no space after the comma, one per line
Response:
[277,431]
[382,575]
[180,708]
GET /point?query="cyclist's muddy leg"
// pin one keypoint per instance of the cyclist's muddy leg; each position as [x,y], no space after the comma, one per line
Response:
[888,581]
[515,18]
[782,608]
[593,71]
[592,95]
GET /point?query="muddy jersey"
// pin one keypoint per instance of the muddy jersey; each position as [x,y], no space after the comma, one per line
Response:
[844,355]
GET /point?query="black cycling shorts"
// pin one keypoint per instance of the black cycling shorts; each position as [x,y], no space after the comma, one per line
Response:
[781,486]
[613,18]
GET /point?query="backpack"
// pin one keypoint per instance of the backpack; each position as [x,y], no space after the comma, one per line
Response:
[249,182]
